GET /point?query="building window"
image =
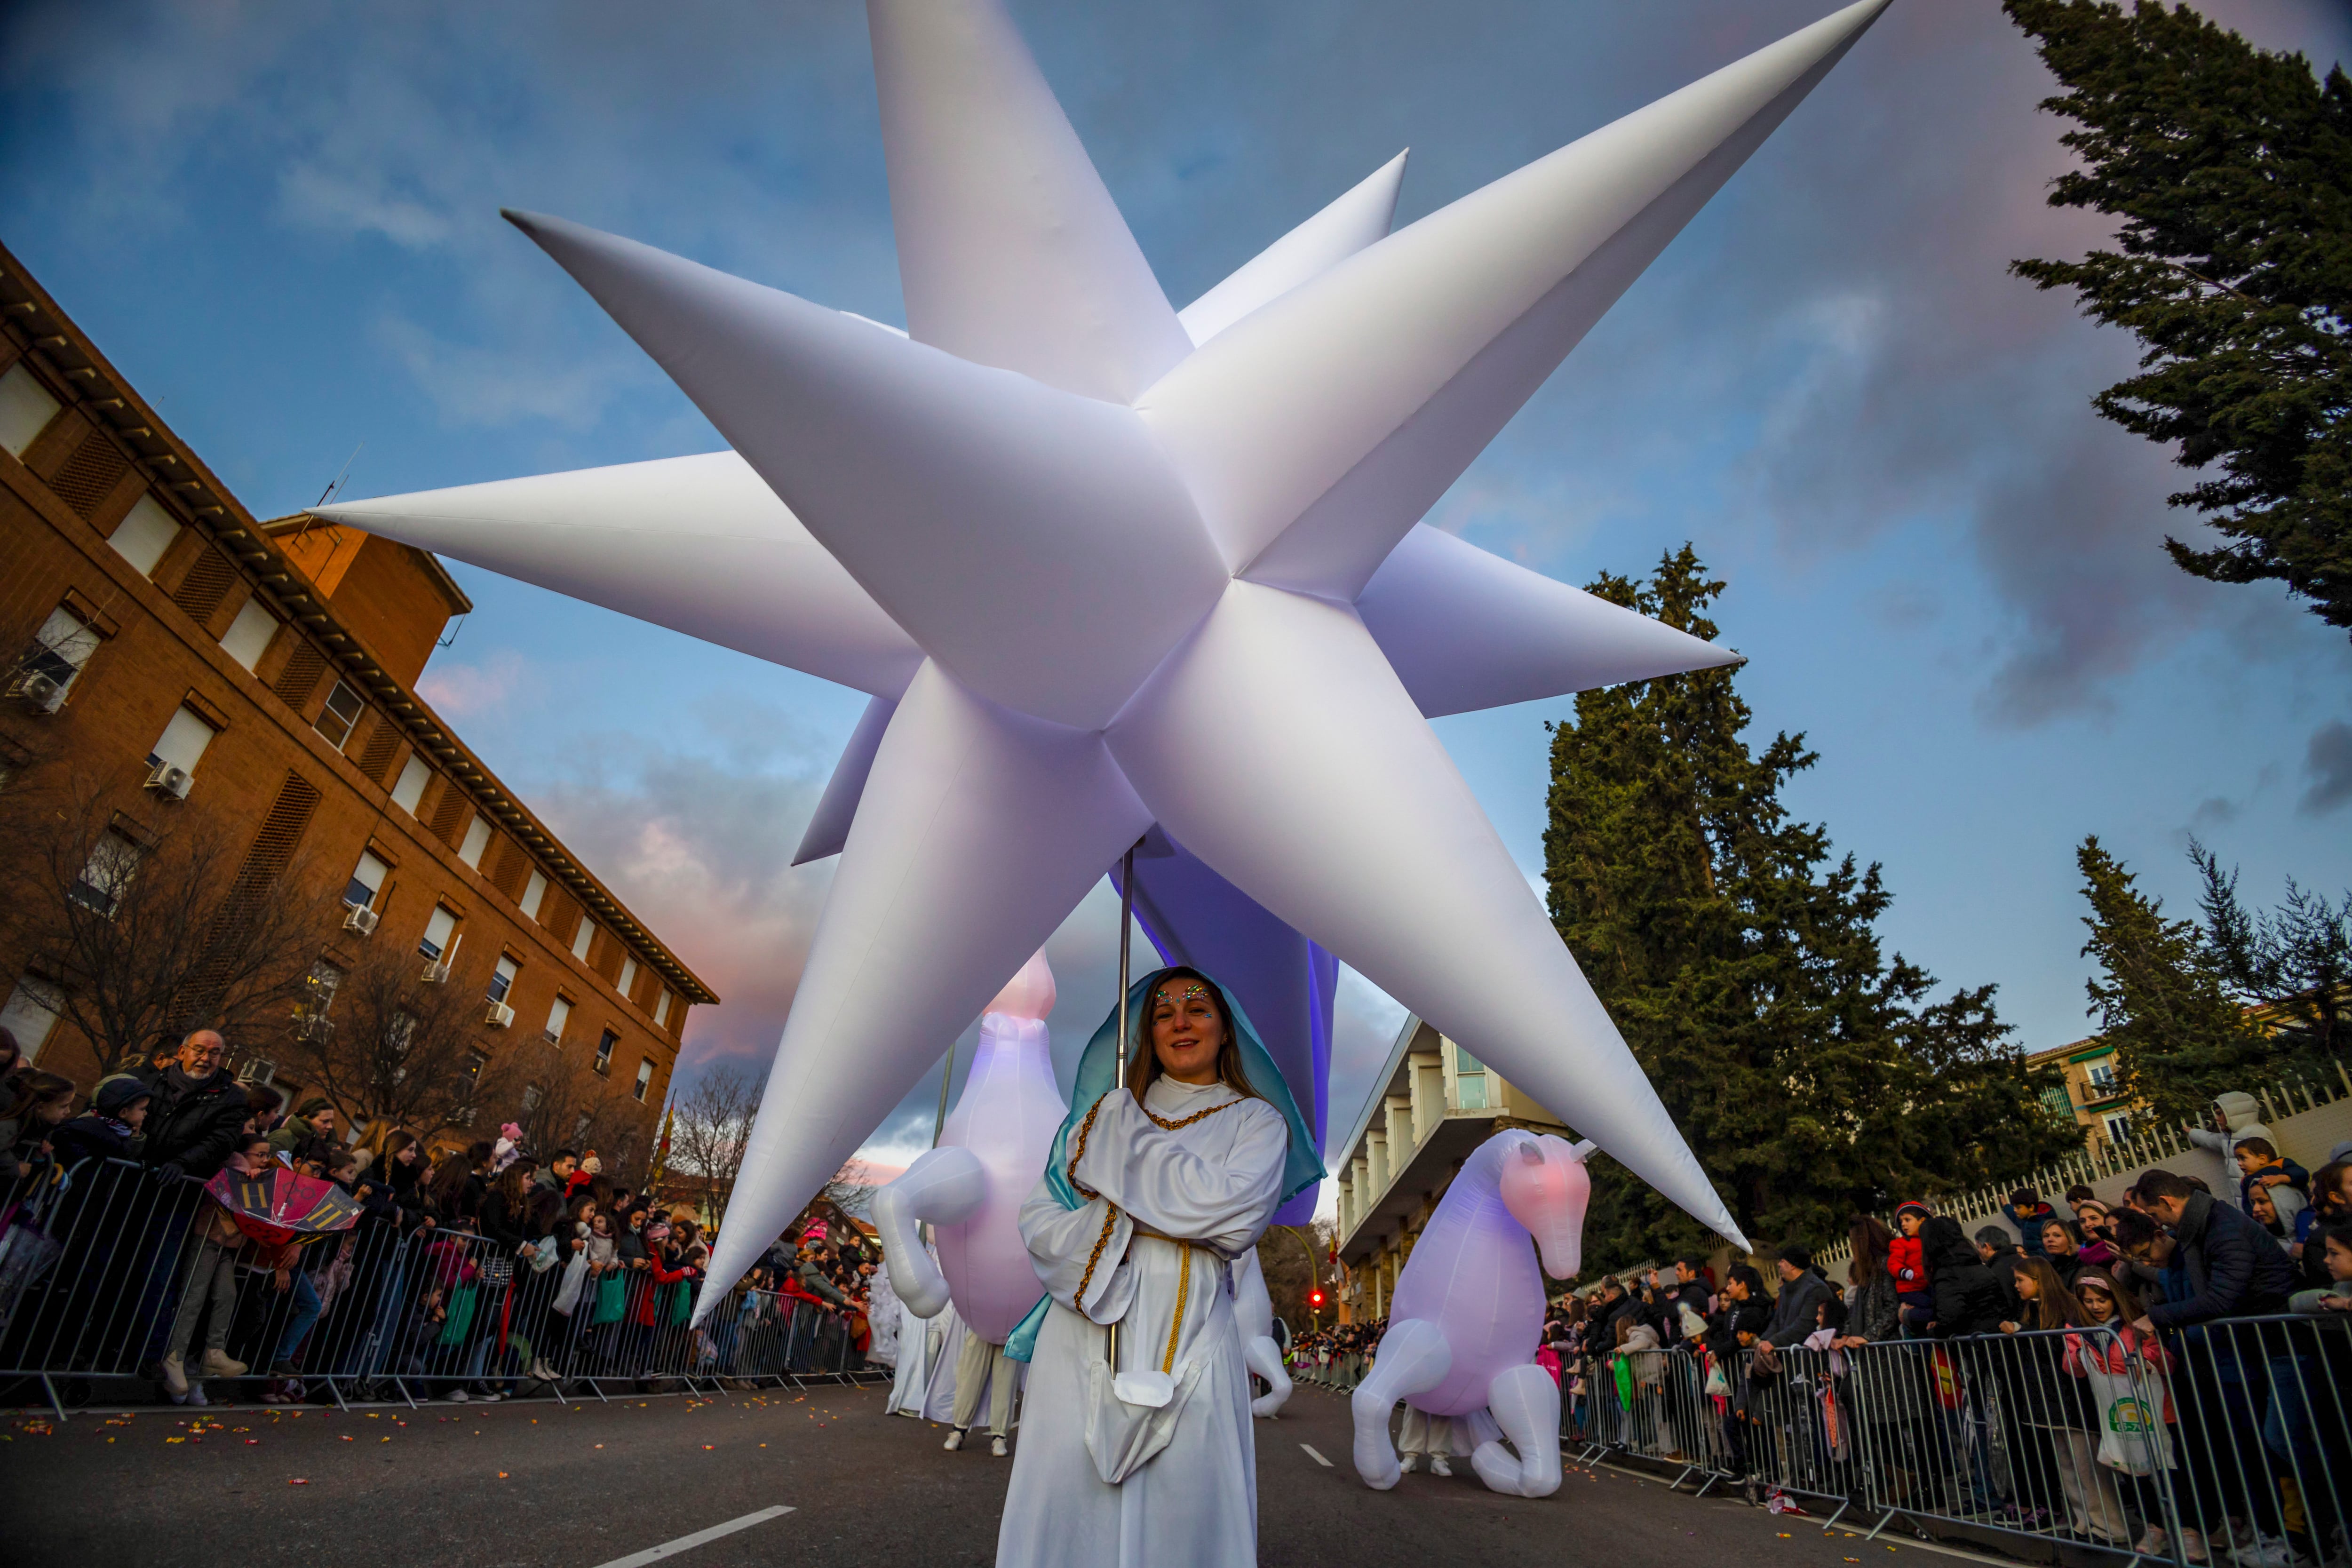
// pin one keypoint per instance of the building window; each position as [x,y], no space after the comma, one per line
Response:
[558,1016]
[437,933]
[532,1095]
[2103,1080]
[250,635]
[25,408]
[319,986]
[61,650]
[182,742]
[532,893]
[340,715]
[411,787]
[477,838]
[367,881]
[629,975]
[605,1050]
[475,1062]
[144,533]
[114,862]
[32,1014]
[1469,1081]
[502,978]
[661,1009]
[583,938]
[645,1077]
[2056,1100]
[2118,1126]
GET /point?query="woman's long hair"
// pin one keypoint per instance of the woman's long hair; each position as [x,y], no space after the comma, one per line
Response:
[1868,1239]
[1144,1068]
[34,1090]
[2055,1306]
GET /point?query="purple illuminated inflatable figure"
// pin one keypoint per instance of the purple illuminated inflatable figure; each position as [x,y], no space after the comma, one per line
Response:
[971,1186]
[1468,1310]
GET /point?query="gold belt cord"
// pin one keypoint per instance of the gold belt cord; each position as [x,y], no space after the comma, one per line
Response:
[1184,1291]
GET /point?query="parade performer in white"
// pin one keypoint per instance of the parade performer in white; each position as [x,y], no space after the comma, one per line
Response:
[1152,1192]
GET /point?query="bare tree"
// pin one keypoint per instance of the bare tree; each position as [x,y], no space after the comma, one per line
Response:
[850,1189]
[150,916]
[713,1128]
[558,1102]
[392,1048]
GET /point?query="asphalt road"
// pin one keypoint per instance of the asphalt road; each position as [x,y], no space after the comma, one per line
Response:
[548,1485]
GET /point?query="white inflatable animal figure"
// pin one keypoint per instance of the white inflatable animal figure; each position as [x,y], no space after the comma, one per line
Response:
[1254,1316]
[1468,1310]
[970,1187]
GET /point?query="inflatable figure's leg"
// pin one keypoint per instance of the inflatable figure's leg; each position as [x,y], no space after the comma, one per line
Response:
[1413,1359]
[1524,1401]
[1263,1357]
[944,1187]
[1254,1315]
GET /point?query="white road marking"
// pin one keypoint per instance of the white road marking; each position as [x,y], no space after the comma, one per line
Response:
[1308,1447]
[672,1548]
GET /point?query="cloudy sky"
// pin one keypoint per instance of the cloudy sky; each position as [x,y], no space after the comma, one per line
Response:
[281,221]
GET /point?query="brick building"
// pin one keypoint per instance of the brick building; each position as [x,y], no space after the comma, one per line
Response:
[190,657]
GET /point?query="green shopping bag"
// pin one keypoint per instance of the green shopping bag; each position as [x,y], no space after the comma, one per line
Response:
[680,1307]
[612,1300]
[461,1317]
[1624,1372]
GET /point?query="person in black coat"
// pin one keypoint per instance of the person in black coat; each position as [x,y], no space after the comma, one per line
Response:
[1968,1296]
[2235,1269]
[196,1111]
[1797,1312]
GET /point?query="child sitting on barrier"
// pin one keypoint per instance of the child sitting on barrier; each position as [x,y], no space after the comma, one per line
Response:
[1906,1260]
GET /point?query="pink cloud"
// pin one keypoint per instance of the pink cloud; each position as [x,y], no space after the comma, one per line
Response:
[471,690]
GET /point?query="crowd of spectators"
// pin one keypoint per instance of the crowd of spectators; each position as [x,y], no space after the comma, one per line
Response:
[486,1272]
[2017,1342]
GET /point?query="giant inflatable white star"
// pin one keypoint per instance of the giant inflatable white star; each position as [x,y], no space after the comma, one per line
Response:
[1104,566]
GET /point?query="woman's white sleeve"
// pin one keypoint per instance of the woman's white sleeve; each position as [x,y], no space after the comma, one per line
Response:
[1223,1204]
[1079,1254]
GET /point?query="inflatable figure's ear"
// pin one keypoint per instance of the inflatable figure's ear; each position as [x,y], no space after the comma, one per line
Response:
[1546,1189]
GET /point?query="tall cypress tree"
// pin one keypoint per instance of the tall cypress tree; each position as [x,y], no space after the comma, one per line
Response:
[2231,168]
[1812,1073]
[2162,994]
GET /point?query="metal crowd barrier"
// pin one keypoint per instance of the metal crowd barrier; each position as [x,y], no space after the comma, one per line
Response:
[2226,1442]
[102,1266]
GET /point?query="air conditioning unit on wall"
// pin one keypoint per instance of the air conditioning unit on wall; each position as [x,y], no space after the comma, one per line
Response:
[165,779]
[434,973]
[499,1016]
[362,920]
[39,693]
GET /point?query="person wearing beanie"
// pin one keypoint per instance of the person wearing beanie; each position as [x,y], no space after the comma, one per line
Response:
[1906,1260]
[109,1130]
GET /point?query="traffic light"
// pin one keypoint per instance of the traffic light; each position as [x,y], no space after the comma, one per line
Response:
[1315,1298]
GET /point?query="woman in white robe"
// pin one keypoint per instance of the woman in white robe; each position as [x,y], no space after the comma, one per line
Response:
[1155,1194]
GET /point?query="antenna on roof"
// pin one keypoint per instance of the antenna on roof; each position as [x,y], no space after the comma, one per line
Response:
[337,482]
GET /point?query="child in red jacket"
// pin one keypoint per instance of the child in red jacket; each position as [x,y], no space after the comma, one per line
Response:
[1906,1260]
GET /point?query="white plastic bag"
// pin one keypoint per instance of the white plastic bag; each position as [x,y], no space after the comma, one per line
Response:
[2133,1437]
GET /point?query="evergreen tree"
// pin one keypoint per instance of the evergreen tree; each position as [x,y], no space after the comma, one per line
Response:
[2231,170]
[2294,965]
[2179,1037]
[1811,1073]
